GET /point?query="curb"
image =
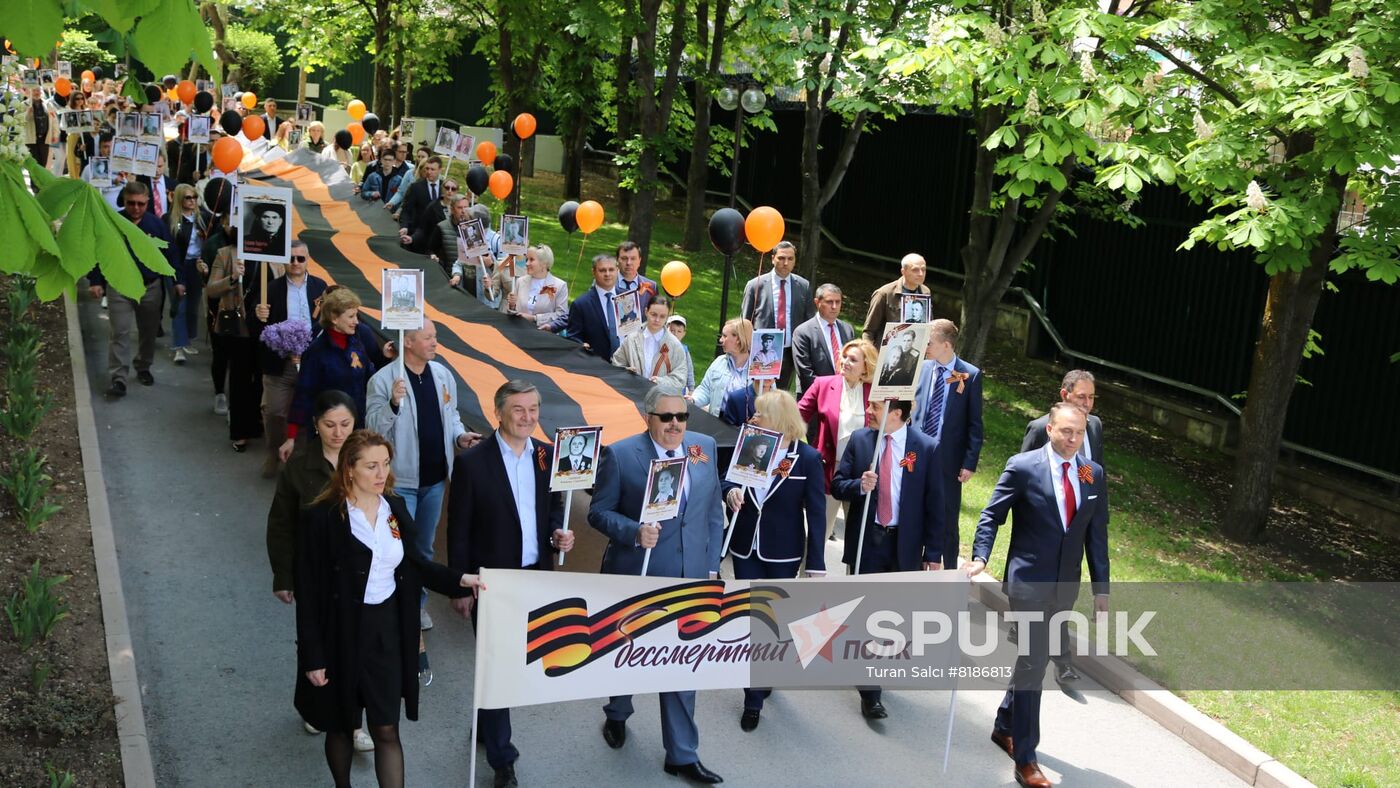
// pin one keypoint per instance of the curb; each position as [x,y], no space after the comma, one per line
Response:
[1209,737]
[137,766]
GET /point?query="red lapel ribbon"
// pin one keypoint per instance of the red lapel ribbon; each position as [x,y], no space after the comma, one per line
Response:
[958,378]
[784,468]
[1086,474]
[908,462]
[698,455]
[394,527]
[539,456]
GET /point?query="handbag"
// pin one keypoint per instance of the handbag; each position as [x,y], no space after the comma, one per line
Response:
[229,323]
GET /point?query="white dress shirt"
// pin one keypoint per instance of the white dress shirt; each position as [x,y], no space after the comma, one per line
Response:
[522,489]
[896,472]
[651,347]
[1057,481]
[386,548]
[852,415]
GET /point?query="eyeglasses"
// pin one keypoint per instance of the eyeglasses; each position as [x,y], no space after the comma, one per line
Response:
[449,188]
[298,258]
[137,203]
[667,418]
[190,197]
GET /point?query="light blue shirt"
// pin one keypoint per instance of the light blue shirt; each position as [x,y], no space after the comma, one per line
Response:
[1057,481]
[896,438]
[522,489]
[298,306]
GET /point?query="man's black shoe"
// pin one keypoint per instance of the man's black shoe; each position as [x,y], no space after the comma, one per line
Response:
[873,710]
[695,772]
[117,389]
[749,719]
[146,378]
[505,776]
[615,733]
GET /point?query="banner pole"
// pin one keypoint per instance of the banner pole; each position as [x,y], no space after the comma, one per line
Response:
[399,349]
[646,560]
[874,463]
[952,709]
[568,504]
[730,533]
[262,293]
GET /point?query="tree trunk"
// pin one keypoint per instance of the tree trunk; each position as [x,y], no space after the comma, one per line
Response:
[301,86]
[214,16]
[809,246]
[381,101]
[699,171]
[573,154]
[1284,330]
[396,106]
[653,115]
[978,318]
[626,110]
[407,95]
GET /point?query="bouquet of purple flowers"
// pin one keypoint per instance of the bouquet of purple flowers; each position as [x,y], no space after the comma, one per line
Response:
[287,339]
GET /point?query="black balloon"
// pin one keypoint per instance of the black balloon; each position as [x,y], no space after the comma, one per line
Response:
[568,216]
[97,72]
[169,81]
[504,163]
[153,93]
[203,101]
[371,122]
[477,179]
[343,139]
[231,123]
[218,195]
[727,230]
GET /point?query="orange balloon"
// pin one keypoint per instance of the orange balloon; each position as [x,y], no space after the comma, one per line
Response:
[228,154]
[356,108]
[357,133]
[675,277]
[764,228]
[253,127]
[486,151]
[63,86]
[501,184]
[185,91]
[88,76]
[589,216]
[524,125]
[250,100]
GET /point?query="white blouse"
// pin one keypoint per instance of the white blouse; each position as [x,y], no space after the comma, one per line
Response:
[386,546]
[852,414]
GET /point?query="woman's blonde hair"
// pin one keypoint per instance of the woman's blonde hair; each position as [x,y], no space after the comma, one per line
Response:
[360,441]
[545,255]
[743,331]
[175,212]
[336,303]
[780,414]
[867,349]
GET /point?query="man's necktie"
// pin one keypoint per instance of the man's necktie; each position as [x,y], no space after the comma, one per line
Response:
[933,411]
[782,304]
[884,504]
[432,192]
[608,315]
[1070,506]
[835,348]
[685,490]
[158,205]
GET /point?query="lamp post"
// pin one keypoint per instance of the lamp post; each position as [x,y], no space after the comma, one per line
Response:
[752,101]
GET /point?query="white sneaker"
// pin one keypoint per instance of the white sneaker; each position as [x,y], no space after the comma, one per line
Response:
[363,743]
[180,356]
[425,621]
[221,404]
[311,729]
[191,351]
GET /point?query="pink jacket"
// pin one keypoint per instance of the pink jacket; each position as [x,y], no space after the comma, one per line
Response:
[823,402]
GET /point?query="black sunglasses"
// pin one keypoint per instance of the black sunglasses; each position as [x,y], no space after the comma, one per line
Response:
[298,258]
[667,418]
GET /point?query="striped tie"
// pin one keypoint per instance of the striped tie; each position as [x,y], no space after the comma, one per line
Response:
[933,411]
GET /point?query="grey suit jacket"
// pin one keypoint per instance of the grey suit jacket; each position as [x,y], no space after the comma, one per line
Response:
[811,350]
[1036,436]
[758,304]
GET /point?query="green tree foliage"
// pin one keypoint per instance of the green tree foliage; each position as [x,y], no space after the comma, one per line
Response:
[256,56]
[83,52]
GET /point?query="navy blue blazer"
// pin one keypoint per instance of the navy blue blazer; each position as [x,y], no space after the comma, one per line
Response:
[960,431]
[1042,551]
[689,546]
[483,524]
[791,519]
[588,325]
[920,531]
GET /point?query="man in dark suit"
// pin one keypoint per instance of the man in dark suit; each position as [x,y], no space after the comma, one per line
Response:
[489,530]
[296,296]
[1058,502]
[420,234]
[629,276]
[576,461]
[817,343]
[1077,388]
[422,193]
[904,527]
[902,362]
[687,545]
[779,299]
[591,318]
[269,119]
[948,409]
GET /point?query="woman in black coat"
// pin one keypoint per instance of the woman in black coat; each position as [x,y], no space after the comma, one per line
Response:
[357,584]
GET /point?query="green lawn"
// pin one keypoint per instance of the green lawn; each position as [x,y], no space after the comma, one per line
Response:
[1163,516]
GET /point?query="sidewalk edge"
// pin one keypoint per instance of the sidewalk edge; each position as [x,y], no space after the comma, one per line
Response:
[137,767]
[1164,707]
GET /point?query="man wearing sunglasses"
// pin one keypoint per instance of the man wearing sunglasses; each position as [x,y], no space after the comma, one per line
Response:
[296,296]
[687,545]
[125,314]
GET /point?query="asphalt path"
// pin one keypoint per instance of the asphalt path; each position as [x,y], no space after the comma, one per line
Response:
[215,654]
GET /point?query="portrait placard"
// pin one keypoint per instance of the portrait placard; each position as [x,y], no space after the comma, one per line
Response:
[100,175]
[916,308]
[471,240]
[199,129]
[29,77]
[576,451]
[755,453]
[46,78]
[119,71]
[627,312]
[129,124]
[123,154]
[515,234]
[766,361]
[446,142]
[204,85]
[294,136]
[401,296]
[406,129]
[265,218]
[64,69]
[464,147]
[146,154]
[150,127]
[228,90]
[662,498]
[305,114]
[897,370]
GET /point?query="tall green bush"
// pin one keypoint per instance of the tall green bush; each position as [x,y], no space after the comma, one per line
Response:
[83,52]
[256,58]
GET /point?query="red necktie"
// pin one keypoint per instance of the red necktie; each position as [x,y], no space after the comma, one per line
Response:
[159,203]
[1069,494]
[782,304]
[884,506]
[835,347]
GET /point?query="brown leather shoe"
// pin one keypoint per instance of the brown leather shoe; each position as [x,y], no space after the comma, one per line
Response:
[1003,740]
[1030,775]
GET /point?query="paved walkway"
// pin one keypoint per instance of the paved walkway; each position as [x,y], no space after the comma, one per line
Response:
[216,656]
